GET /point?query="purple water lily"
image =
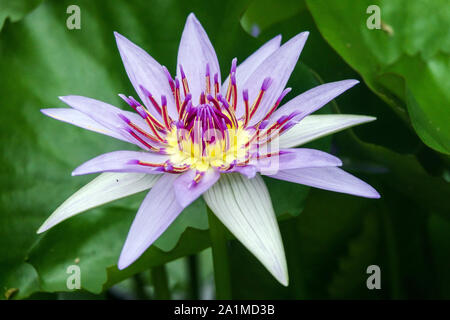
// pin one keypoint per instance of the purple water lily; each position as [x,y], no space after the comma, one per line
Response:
[200,136]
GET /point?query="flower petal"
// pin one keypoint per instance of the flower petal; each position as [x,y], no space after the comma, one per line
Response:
[306,158]
[292,159]
[278,66]
[145,71]
[158,210]
[187,190]
[244,207]
[312,99]
[328,178]
[248,171]
[81,120]
[122,161]
[103,189]
[316,126]
[249,65]
[106,115]
[194,53]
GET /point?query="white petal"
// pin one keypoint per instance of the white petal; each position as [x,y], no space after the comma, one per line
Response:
[306,158]
[316,126]
[103,189]
[278,66]
[328,178]
[81,120]
[122,161]
[105,114]
[158,210]
[244,207]
[143,70]
[187,191]
[249,65]
[194,53]
[312,100]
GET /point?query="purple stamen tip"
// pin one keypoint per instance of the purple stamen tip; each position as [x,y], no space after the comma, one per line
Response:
[294,114]
[168,167]
[288,125]
[207,70]
[127,129]
[125,119]
[283,94]
[179,124]
[177,83]
[216,78]
[141,112]
[266,84]
[169,77]
[245,94]
[134,101]
[263,124]
[145,91]
[189,106]
[124,97]
[182,72]
[233,79]
[163,100]
[134,161]
[188,97]
[282,119]
[233,65]
[224,102]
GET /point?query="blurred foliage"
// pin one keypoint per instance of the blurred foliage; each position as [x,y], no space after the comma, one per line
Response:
[403,61]
[330,239]
[15,10]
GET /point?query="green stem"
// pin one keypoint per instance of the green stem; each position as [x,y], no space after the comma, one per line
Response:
[139,285]
[192,264]
[222,279]
[160,282]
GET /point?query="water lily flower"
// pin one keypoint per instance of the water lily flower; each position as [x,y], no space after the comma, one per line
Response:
[200,136]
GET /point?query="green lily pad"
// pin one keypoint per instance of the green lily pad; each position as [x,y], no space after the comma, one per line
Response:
[406,62]
[16,9]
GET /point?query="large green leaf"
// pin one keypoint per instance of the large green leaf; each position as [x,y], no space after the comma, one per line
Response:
[16,9]
[406,62]
[94,245]
[261,14]
[388,130]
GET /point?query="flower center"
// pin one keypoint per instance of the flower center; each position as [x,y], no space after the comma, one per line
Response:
[208,133]
[208,136]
